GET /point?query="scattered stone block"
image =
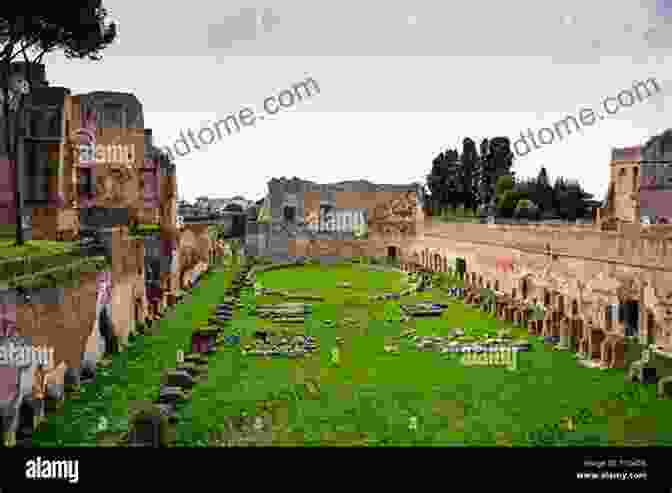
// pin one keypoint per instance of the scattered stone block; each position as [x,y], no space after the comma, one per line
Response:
[170,395]
[149,428]
[178,378]
[665,388]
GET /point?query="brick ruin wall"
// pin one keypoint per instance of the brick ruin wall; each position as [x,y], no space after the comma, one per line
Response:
[589,269]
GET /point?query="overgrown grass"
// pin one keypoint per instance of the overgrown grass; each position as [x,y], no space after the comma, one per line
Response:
[371,397]
[33,248]
[134,375]
[144,230]
[34,257]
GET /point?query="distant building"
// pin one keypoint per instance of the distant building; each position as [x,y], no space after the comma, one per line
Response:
[640,184]
[301,218]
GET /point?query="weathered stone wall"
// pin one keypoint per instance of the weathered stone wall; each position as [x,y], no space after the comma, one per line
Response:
[374,246]
[128,282]
[63,322]
[625,178]
[580,271]
[50,223]
[194,251]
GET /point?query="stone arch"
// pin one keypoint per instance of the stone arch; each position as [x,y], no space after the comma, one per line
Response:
[106,329]
[139,311]
[561,303]
[26,420]
[525,286]
[29,412]
[575,325]
[436,261]
[496,284]
[653,330]
[630,300]
[574,308]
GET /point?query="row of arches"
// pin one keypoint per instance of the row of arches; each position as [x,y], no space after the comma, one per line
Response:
[595,325]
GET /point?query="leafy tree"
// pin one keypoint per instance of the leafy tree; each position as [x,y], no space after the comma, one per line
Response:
[507,203]
[526,209]
[76,27]
[443,181]
[504,184]
[496,160]
[542,194]
[468,174]
[233,208]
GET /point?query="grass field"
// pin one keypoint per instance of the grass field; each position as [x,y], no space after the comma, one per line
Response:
[372,396]
[133,376]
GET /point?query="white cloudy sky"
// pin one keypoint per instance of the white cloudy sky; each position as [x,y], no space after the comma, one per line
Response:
[399,81]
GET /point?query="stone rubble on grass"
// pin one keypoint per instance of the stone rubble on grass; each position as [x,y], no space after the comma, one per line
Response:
[343,285]
[170,395]
[178,378]
[446,344]
[169,411]
[298,346]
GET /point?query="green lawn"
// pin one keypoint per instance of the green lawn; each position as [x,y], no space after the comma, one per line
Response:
[34,257]
[134,375]
[33,248]
[371,397]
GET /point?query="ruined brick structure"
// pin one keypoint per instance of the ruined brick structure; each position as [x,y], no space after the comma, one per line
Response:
[90,165]
[605,287]
[640,184]
[307,219]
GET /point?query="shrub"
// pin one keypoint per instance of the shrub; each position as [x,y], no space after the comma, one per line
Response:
[526,209]
[507,203]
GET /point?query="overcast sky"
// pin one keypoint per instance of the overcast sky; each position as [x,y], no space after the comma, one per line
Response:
[399,82]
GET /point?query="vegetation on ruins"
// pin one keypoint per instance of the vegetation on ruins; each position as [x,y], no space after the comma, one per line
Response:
[373,395]
[77,28]
[44,264]
[470,184]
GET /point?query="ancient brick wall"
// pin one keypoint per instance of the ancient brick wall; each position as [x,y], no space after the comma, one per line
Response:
[193,250]
[625,177]
[64,324]
[588,270]
[128,282]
